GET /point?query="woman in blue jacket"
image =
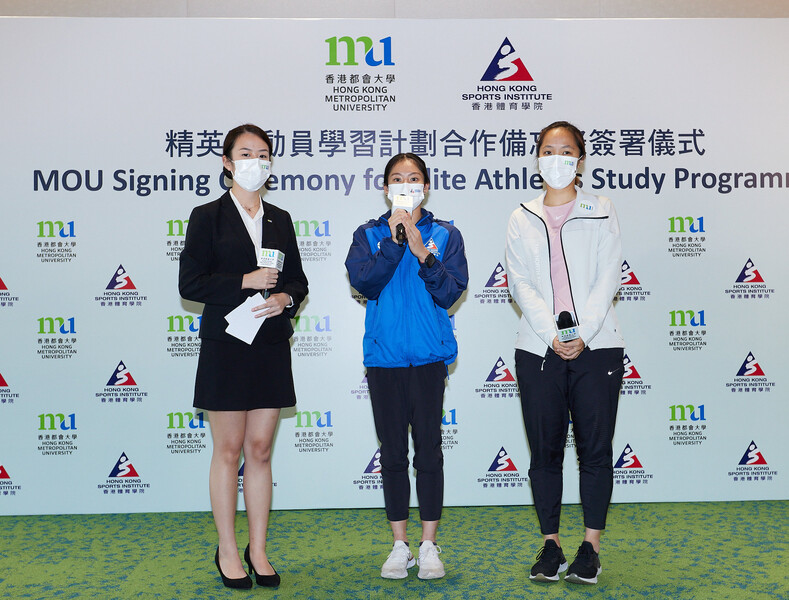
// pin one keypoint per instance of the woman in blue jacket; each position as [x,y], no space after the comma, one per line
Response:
[411,268]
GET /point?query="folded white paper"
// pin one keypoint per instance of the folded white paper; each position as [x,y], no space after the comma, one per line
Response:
[241,321]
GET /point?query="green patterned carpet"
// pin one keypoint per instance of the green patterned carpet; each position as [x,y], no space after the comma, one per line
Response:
[687,551]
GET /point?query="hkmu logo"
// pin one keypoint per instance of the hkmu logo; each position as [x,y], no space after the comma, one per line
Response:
[50,229]
[687,318]
[307,323]
[182,420]
[449,417]
[304,419]
[177,227]
[183,323]
[683,412]
[55,325]
[308,228]
[694,225]
[52,422]
[368,49]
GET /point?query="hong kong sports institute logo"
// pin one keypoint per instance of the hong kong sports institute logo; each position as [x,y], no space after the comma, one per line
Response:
[499,383]
[6,299]
[123,479]
[749,285]
[751,378]
[753,467]
[750,274]
[506,65]
[496,290]
[121,376]
[121,387]
[632,382]
[374,466]
[123,468]
[506,84]
[628,459]
[7,394]
[628,469]
[502,473]
[7,486]
[628,275]
[502,462]
[120,290]
[370,479]
[753,456]
[500,372]
[750,367]
[630,287]
[121,280]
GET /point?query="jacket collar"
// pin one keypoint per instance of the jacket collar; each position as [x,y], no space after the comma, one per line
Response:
[233,219]
[585,205]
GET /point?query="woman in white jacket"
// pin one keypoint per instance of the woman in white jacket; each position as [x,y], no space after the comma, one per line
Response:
[564,263]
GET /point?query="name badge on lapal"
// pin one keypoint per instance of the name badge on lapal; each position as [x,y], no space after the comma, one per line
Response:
[271,258]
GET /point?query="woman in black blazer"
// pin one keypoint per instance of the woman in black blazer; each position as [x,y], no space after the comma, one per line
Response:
[242,386]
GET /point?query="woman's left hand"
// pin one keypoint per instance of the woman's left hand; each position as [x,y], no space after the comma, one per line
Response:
[273,306]
[568,350]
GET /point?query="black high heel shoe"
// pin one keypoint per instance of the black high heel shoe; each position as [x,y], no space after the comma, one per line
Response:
[264,580]
[243,583]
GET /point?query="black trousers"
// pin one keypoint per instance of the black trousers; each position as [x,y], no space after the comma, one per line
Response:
[553,390]
[401,397]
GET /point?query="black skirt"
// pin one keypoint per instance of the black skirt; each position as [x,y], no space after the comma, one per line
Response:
[234,376]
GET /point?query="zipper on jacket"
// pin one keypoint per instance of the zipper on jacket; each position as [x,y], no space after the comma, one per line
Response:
[564,256]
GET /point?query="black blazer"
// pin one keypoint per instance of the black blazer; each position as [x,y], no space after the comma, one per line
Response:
[218,252]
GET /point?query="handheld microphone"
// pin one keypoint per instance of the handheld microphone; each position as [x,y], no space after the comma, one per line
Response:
[272,258]
[567,328]
[406,203]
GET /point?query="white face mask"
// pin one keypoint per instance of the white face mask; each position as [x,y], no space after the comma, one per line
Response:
[558,171]
[251,173]
[414,191]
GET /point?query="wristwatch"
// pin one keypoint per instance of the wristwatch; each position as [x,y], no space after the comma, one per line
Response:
[430,260]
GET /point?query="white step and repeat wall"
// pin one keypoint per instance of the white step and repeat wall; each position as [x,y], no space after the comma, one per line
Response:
[112,132]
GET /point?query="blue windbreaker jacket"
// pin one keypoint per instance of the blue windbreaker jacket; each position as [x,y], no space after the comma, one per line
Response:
[407,322]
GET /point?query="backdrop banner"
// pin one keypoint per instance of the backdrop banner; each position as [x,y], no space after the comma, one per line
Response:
[112,132]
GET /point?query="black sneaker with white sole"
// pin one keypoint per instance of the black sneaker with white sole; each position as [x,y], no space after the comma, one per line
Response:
[586,566]
[550,562]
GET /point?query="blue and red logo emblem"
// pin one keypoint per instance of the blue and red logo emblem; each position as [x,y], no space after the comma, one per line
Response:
[507,65]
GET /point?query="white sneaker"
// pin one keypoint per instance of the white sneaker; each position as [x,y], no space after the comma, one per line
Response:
[398,562]
[430,566]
